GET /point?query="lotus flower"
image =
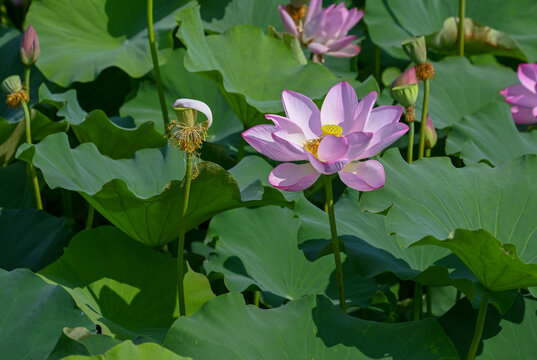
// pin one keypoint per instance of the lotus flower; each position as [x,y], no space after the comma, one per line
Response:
[325,30]
[333,139]
[523,96]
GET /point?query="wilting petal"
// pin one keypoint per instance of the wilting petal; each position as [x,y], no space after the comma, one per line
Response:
[332,148]
[260,138]
[318,48]
[358,142]
[523,116]
[288,21]
[383,138]
[527,74]
[329,167]
[302,111]
[348,51]
[354,15]
[363,175]
[382,116]
[519,95]
[362,111]
[196,105]
[339,106]
[293,177]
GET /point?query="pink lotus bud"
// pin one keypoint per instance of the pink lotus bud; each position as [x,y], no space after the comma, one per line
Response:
[430,133]
[406,78]
[29,47]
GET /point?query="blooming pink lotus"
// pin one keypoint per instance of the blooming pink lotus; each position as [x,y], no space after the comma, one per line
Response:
[523,96]
[325,30]
[331,140]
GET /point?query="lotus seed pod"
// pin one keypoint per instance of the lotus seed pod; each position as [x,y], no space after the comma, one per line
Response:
[416,49]
[406,95]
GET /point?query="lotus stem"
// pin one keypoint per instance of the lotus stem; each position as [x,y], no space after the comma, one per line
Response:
[156,67]
[418,294]
[479,325]
[424,118]
[462,9]
[182,229]
[33,175]
[91,215]
[335,241]
[429,301]
[410,142]
[427,152]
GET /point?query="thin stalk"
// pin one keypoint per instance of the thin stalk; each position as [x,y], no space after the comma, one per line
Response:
[256,298]
[91,215]
[377,63]
[156,67]
[462,9]
[418,293]
[410,142]
[424,118]
[429,302]
[335,241]
[27,70]
[182,230]
[33,175]
[427,152]
[479,325]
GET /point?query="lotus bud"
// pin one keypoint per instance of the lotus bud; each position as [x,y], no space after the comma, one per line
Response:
[29,48]
[416,49]
[186,133]
[15,91]
[430,134]
[406,95]
[406,78]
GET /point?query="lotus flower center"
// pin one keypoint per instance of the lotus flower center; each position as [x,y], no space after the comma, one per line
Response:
[312,146]
[330,129]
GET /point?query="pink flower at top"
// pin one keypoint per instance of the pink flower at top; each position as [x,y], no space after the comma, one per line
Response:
[523,96]
[333,139]
[325,30]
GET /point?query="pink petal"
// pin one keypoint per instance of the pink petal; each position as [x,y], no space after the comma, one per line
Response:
[347,52]
[317,48]
[527,74]
[314,8]
[293,130]
[293,177]
[303,112]
[341,43]
[523,116]
[288,21]
[339,106]
[383,138]
[407,77]
[330,167]
[358,142]
[196,105]
[290,142]
[362,111]
[352,19]
[260,138]
[519,95]
[332,148]
[363,175]
[382,116]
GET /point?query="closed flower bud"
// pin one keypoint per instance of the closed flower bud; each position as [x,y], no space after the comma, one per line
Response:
[406,95]
[430,134]
[416,49]
[29,48]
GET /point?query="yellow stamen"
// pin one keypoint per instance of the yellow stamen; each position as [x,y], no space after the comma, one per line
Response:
[312,146]
[330,129]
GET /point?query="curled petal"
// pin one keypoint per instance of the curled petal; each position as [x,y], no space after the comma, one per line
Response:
[381,116]
[519,95]
[527,74]
[329,167]
[524,116]
[383,138]
[260,138]
[196,105]
[341,43]
[302,111]
[339,106]
[332,148]
[318,48]
[363,175]
[293,177]
[288,21]
[348,51]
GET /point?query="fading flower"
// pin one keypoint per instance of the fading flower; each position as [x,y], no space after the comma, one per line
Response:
[333,139]
[325,30]
[186,133]
[29,48]
[523,96]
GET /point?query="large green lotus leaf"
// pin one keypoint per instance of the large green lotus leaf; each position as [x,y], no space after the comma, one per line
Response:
[33,315]
[392,21]
[460,89]
[308,328]
[252,251]
[125,286]
[80,341]
[141,196]
[31,238]
[508,336]
[180,83]
[490,134]
[251,68]
[15,189]
[495,265]
[80,39]
[432,197]
[128,351]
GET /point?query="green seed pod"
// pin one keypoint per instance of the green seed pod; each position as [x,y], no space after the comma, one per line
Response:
[12,84]
[416,49]
[406,95]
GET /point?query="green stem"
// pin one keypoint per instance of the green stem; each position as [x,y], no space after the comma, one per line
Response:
[91,215]
[181,243]
[156,67]
[462,8]
[427,152]
[418,293]
[256,298]
[27,80]
[33,174]
[377,64]
[429,302]
[479,325]
[424,118]
[335,241]
[410,142]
